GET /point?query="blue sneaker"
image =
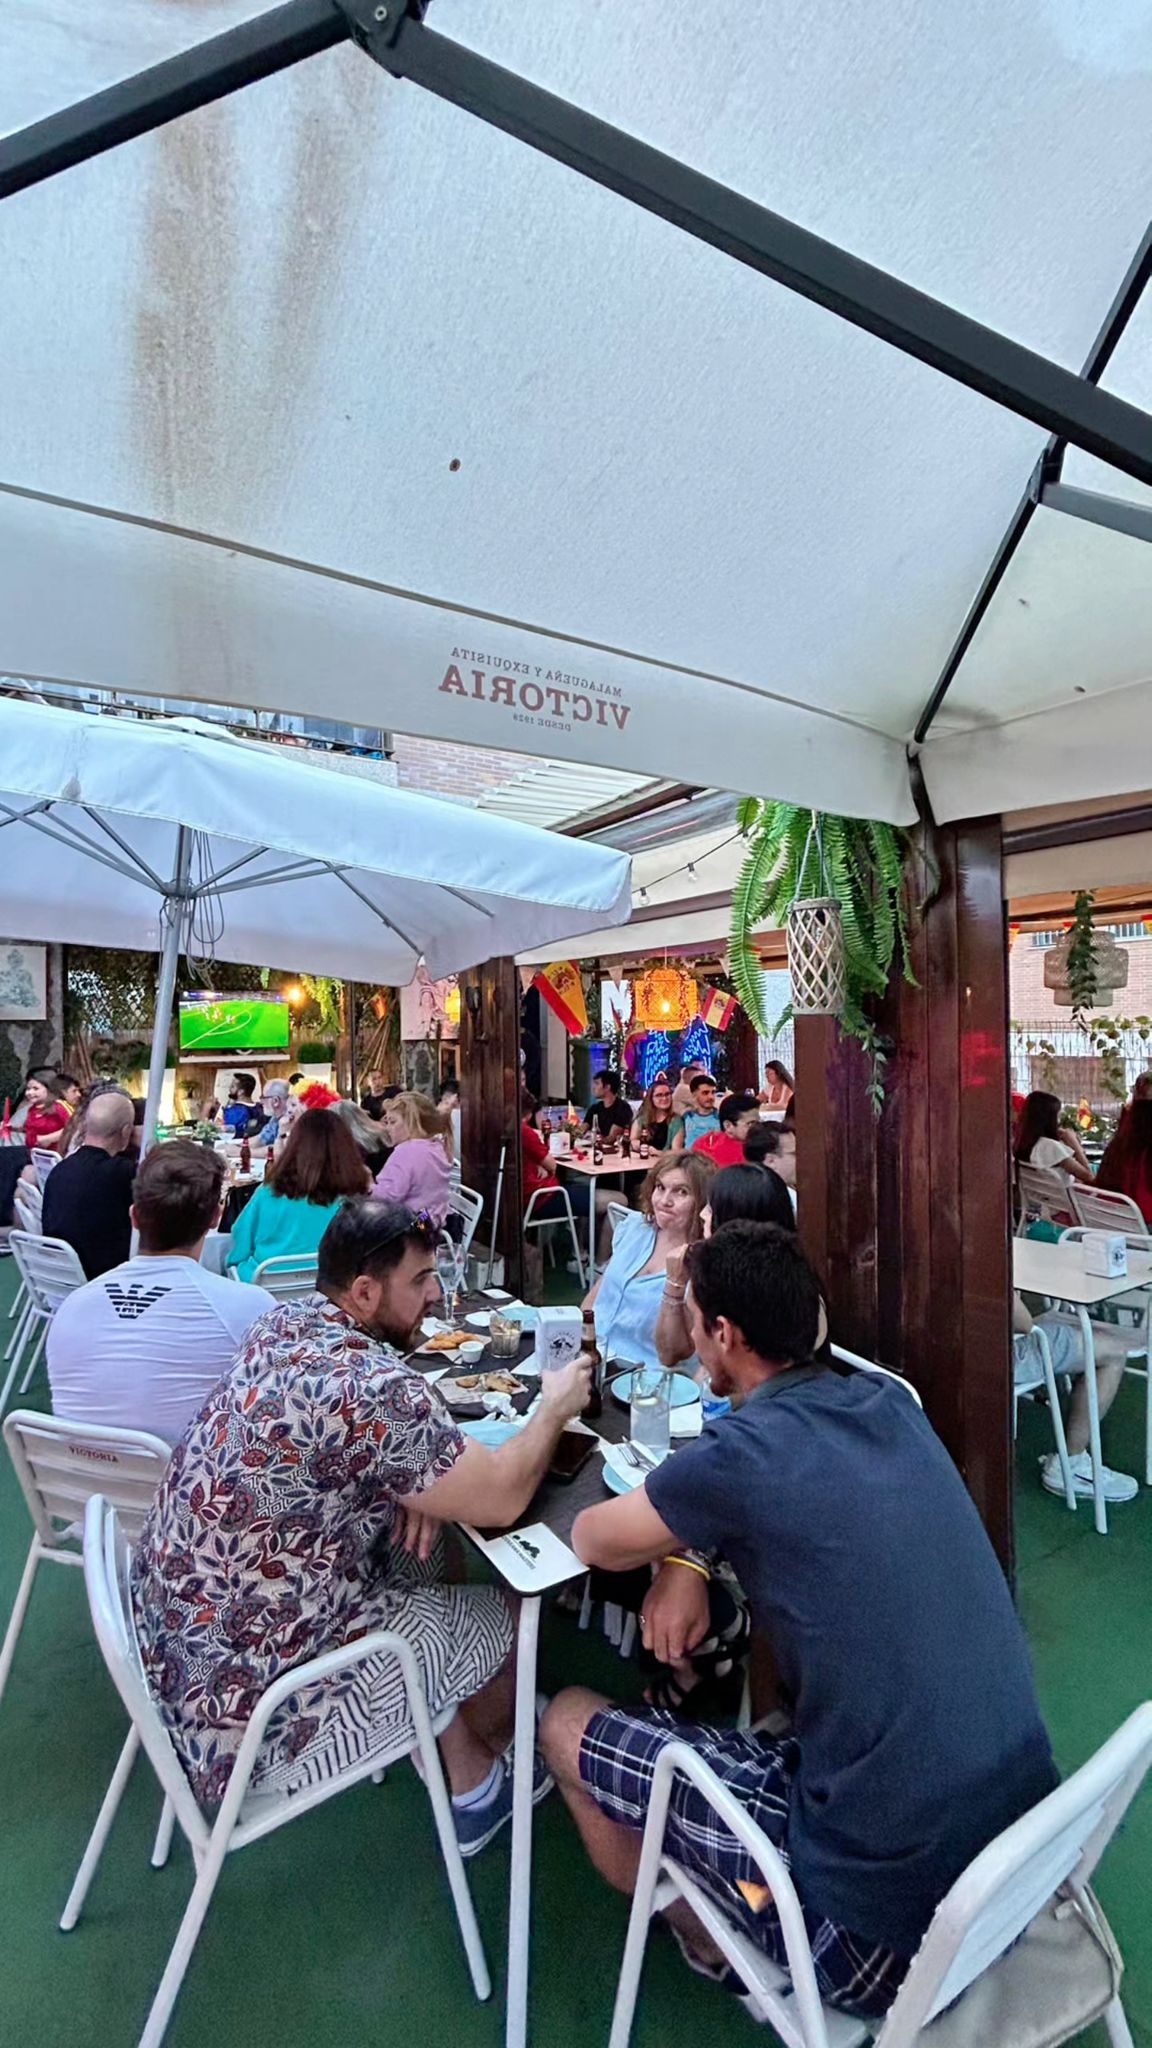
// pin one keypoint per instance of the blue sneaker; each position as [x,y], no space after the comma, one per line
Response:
[479,1825]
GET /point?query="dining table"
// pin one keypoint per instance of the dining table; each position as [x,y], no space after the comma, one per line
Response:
[532,1558]
[613,1166]
[1056,1271]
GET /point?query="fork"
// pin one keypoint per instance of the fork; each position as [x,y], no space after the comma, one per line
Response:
[640,1459]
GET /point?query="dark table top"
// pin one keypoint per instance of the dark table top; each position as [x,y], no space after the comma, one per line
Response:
[557,1502]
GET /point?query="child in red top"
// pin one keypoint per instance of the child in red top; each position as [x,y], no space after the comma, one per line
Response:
[738,1115]
[47,1118]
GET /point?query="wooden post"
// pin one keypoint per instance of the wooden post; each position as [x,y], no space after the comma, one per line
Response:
[909,1217]
[490,1102]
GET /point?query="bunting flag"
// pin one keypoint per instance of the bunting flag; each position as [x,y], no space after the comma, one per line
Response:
[716,1008]
[563,991]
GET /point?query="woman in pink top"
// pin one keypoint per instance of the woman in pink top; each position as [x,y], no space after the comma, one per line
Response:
[419,1171]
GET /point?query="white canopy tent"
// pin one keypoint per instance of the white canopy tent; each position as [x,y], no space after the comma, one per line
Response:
[330,396]
[115,832]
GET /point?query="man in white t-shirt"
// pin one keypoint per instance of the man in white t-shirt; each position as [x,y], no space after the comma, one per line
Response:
[143,1346]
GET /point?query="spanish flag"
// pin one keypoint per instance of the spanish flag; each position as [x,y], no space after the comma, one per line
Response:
[563,991]
[717,1009]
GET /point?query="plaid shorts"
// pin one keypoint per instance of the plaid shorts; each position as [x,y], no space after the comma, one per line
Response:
[617,1758]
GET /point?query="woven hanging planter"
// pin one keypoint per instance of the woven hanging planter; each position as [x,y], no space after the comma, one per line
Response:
[1110,966]
[816,957]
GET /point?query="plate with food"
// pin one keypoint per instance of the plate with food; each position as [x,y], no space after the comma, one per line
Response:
[467,1389]
[451,1343]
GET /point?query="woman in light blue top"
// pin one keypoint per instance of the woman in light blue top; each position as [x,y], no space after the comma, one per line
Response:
[320,1165]
[627,1296]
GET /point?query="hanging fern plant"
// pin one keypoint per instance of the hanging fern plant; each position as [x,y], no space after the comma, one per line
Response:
[793,852]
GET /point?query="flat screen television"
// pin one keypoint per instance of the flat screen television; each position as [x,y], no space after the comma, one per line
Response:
[244,1024]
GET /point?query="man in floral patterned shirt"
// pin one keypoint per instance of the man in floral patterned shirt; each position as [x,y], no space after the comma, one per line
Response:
[302,1510]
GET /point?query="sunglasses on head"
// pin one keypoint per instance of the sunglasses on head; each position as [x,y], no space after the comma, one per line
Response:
[421,1226]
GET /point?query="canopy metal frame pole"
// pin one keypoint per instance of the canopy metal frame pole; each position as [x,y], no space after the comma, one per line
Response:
[393,33]
[178,904]
[1121,515]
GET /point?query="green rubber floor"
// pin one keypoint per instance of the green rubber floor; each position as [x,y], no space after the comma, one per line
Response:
[339,1929]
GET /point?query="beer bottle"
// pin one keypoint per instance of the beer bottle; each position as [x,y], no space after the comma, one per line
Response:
[597,1153]
[591,1349]
[645,1148]
[245,1156]
[626,1145]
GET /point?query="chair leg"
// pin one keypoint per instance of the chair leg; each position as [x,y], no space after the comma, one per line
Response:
[101,1831]
[15,1352]
[1058,1432]
[33,1362]
[163,1843]
[433,1775]
[176,1967]
[19,1610]
[639,1921]
[1116,2026]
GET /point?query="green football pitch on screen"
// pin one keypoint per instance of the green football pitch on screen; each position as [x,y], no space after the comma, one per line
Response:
[234,1022]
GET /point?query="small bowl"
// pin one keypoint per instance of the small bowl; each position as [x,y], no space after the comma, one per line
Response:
[470,1353]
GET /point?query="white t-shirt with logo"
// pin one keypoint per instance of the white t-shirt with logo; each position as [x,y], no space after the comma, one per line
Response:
[142,1346]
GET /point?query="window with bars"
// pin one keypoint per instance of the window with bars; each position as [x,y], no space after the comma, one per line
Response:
[1135,930]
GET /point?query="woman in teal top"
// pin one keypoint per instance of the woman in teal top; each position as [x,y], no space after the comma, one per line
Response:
[628,1294]
[321,1165]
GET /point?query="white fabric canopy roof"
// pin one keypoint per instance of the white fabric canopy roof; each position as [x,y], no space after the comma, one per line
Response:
[375,876]
[699,527]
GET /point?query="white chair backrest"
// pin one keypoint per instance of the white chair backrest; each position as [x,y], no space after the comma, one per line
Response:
[61,1464]
[465,1202]
[1045,1196]
[289,1278]
[1100,1209]
[49,1268]
[28,1202]
[881,1372]
[107,1574]
[617,1211]
[43,1160]
[991,1903]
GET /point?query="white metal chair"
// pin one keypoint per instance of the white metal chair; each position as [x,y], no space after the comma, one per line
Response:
[1029,1374]
[882,1372]
[616,1212]
[49,1270]
[989,1951]
[289,1277]
[246,1813]
[28,1203]
[1045,1197]
[1138,1303]
[468,1206]
[43,1160]
[60,1465]
[534,1222]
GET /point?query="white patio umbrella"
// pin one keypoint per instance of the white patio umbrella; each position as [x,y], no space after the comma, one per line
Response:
[115,832]
[330,397]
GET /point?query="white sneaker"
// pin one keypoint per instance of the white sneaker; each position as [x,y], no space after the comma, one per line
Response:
[1117,1486]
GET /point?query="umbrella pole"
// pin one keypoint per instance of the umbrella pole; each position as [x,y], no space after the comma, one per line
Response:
[177,906]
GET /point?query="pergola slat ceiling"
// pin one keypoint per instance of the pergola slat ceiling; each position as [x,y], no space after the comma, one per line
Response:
[699,528]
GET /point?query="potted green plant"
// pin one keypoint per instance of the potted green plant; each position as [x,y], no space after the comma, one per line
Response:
[847,874]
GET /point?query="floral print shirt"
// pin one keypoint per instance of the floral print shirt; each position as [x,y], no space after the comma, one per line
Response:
[267,1542]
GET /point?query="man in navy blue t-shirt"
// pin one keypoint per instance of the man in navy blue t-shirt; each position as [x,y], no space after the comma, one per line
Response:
[916,1732]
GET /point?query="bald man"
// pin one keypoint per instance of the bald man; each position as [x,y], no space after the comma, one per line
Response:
[88,1197]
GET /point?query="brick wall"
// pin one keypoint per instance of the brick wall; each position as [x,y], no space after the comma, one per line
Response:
[1030,1003]
[445,768]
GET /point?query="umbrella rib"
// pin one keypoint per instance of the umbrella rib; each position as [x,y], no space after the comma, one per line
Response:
[213,880]
[462,896]
[74,844]
[299,871]
[125,848]
[376,910]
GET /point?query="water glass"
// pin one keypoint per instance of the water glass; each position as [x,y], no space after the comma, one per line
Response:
[448,1273]
[651,1410]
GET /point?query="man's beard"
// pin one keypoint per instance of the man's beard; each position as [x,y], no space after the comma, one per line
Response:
[385,1332]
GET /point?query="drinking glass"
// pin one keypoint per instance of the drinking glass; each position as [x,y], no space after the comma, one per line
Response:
[651,1410]
[448,1274]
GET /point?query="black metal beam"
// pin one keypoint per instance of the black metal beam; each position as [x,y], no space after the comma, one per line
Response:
[208,71]
[936,334]
[1047,471]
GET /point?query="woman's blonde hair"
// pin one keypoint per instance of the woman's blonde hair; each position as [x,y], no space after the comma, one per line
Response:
[421,1118]
[697,1169]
